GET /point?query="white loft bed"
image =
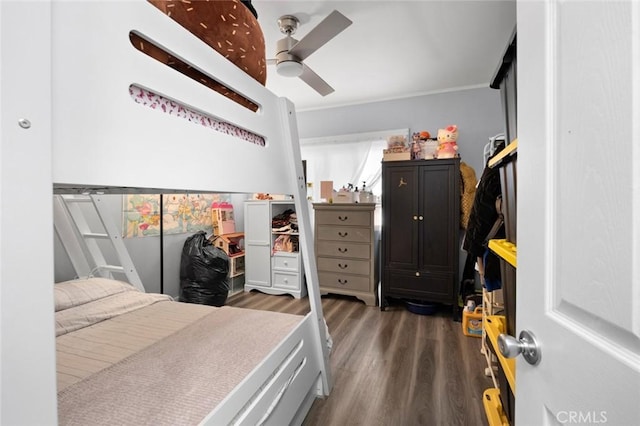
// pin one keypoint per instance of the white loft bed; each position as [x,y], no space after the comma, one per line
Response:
[68,122]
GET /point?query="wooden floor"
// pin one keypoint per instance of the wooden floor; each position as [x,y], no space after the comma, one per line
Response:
[392,367]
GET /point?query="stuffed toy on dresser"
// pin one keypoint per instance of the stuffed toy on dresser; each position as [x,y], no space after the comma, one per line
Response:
[447,142]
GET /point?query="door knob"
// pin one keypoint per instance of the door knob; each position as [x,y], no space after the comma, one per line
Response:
[527,345]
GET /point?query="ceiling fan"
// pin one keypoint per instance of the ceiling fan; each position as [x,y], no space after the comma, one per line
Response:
[291,53]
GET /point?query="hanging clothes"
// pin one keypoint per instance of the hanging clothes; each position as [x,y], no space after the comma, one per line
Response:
[482,218]
[468,183]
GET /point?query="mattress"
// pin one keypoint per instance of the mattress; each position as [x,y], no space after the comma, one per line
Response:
[164,363]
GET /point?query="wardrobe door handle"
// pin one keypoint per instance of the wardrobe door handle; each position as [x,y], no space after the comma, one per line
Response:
[341,266]
[342,250]
[343,218]
[343,234]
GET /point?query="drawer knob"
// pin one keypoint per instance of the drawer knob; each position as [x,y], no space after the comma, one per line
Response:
[343,282]
[415,218]
[341,266]
[342,250]
[343,218]
[420,217]
[417,274]
[343,234]
[286,263]
[286,280]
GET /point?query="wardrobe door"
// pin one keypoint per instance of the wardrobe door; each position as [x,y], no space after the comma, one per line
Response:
[438,218]
[400,216]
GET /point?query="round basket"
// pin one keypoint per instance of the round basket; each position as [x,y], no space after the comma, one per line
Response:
[421,308]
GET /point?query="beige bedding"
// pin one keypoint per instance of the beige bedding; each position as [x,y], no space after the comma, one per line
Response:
[165,363]
[89,350]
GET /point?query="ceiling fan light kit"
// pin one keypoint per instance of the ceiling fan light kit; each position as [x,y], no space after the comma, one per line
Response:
[289,69]
[290,53]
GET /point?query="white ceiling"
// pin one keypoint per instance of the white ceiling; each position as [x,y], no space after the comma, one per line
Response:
[393,49]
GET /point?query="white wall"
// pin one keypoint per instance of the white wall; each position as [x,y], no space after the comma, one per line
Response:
[477,112]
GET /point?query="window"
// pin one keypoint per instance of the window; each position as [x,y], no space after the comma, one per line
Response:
[348,159]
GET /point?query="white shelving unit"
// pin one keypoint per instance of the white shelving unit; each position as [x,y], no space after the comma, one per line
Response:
[268,270]
[492,304]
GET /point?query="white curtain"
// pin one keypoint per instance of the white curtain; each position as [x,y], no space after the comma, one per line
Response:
[349,159]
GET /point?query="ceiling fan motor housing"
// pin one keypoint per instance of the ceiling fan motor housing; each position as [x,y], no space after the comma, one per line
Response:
[282,50]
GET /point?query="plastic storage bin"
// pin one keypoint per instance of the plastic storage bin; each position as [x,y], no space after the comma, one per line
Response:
[506,162]
[495,325]
[507,253]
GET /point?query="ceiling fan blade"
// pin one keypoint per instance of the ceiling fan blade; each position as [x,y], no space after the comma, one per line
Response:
[315,81]
[330,27]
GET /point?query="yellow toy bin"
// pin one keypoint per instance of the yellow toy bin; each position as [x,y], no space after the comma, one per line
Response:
[472,322]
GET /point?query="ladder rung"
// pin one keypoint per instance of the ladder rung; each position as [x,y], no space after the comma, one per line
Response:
[110,268]
[95,235]
[78,199]
[79,240]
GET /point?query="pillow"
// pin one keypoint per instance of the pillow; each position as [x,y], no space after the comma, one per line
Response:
[228,27]
[78,292]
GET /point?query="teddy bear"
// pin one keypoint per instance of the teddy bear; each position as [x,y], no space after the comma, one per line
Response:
[447,146]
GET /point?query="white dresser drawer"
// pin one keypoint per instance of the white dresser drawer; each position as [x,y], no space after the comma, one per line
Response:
[284,280]
[344,233]
[338,249]
[286,262]
[343,217]
[342,265]
[344,281]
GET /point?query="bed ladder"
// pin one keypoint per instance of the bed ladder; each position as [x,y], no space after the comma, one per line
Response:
[82,244]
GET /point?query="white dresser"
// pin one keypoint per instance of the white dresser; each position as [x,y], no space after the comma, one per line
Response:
[345,250]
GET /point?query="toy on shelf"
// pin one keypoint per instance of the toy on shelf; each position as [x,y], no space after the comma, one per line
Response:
[428,145]
[447,142]
[416,150]
[222,218]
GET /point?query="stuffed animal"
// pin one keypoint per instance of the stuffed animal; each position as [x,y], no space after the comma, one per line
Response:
[447,145]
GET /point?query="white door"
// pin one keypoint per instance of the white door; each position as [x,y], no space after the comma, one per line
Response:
[578,275]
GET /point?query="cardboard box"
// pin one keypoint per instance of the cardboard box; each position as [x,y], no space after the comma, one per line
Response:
[396,156]
[326,189]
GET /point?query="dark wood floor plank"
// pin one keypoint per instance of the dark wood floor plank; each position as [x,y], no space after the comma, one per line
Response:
[392,367]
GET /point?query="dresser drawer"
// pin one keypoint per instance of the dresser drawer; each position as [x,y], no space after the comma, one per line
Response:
[344,233]
[344,281]
[343,250]
[284,280]
[342,265]
[344,217]
[286,262]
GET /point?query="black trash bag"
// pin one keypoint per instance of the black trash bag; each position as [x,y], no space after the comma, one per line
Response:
[204,270]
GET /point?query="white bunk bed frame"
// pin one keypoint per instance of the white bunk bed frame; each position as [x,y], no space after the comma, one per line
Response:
[68,123]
